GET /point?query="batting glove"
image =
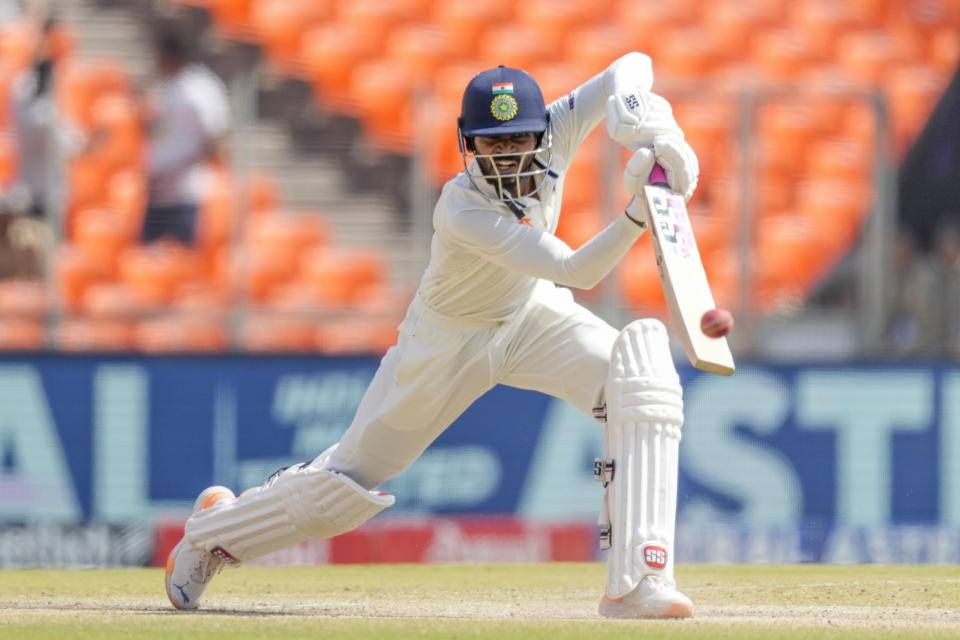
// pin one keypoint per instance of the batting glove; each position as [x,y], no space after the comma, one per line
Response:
[635,118]
[674,155]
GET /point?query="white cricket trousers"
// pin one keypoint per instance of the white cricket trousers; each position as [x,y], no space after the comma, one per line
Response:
[441,365]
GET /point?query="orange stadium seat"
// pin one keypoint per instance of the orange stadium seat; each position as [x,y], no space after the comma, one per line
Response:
[782,53]
[181,333]
[712,234]
[638,278]
[117,116]
[126,194]
[943,49]
[74,269]
[89,334]
[267,332]
[295,295]
[912,92]
[589,49]
[262,192]
[153,272]
[21,334]
[465,21]
[215,213]
[554,21]
[233,17]
[858,121]
[80,82]
[18,39]
[837,207]
[8,158]
[442,151]
[204,297]
[385,94]
[111,300]
[340,274]
[723,273]
[790,256]
[839,159]
[731,24]
[421,49]
[288,232]
[556,79]
[684,53]
[261,268]
[772,194]
[644,23]
[866,55]
[86,176]
[104,234]
[787,128]
[6,80]
[512,45]
[356,336]
[576,226]
[821,22]
[378,18]
[281,24]
[708,125]
[23,298]
[329,53]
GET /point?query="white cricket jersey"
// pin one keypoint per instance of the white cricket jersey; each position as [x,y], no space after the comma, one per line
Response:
[485,263]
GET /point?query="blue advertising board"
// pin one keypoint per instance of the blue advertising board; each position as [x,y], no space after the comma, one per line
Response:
[796,455]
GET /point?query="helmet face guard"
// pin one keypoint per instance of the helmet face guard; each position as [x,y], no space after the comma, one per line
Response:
[505,102]
[508,184]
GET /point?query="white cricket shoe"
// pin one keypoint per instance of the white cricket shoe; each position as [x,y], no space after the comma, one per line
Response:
[190,569]
[654,597]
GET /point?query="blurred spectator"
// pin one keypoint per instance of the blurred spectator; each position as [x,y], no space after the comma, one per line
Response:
[946,268]
[44,140]
[912,301]
[10,10]
[188,118]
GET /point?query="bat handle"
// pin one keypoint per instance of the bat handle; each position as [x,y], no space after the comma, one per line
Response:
[658,176]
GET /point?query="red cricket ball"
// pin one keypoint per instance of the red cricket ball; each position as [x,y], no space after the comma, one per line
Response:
[716,323]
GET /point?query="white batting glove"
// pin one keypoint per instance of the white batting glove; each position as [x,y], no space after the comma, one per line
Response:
[635,118]
[674,155]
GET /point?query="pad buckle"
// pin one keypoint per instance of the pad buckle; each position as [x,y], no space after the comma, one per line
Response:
[600,412]
[604,537]
[603,470]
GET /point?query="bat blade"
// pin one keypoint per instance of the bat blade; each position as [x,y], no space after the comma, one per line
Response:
[683,279]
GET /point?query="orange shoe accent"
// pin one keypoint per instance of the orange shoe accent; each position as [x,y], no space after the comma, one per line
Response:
[606,599]
[170,563]
[213,498]
[677,610]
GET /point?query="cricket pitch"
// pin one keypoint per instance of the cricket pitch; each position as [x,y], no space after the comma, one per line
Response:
[556,601]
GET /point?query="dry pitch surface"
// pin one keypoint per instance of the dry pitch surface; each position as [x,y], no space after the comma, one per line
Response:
[555,601]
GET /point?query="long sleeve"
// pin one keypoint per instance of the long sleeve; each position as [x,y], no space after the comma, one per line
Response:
[522,249]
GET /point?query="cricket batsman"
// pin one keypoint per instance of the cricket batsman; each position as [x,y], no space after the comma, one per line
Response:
[493,307]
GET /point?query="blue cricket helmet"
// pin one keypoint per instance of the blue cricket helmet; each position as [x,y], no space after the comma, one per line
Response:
[502,101]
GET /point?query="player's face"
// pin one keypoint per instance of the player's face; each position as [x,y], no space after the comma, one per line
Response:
[513,157]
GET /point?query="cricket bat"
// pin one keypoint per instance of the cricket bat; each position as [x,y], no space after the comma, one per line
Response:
[682,276]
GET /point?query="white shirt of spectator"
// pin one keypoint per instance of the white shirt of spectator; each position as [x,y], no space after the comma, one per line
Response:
[193,113]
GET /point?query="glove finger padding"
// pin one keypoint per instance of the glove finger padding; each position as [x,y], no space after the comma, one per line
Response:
[637,172]
[635,118]
[679,162]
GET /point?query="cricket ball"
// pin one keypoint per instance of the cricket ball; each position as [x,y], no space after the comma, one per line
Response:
[716,323]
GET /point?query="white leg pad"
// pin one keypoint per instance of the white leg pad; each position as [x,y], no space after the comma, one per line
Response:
[641,440]
[300,503]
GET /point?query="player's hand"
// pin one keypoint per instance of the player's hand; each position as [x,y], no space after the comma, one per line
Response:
[674,155]
[635,118]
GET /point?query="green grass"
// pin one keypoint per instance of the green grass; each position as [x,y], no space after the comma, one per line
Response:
[554,601]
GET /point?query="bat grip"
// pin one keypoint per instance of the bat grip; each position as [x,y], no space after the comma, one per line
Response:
[658,176]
